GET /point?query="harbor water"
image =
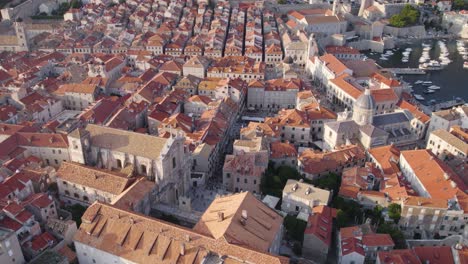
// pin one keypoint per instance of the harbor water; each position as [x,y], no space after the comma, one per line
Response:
[453,78]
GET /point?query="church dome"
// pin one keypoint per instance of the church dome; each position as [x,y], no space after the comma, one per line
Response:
[365,101]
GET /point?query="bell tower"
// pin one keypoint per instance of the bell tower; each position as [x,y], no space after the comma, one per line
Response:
[21,35]
[79,145]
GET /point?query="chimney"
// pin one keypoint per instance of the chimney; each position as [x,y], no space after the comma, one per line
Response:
[294,188]
[446,176]
[220,216]
[243,222]
[453,184]
[182,249]
[244,214]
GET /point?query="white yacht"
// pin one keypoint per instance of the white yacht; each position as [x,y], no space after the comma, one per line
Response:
[431,65]
[418,97]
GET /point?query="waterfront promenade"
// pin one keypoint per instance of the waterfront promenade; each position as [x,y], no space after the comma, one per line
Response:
[406,71]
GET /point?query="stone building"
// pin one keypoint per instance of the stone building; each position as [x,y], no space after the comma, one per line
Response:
[162,160]
[244,171]
[300,197]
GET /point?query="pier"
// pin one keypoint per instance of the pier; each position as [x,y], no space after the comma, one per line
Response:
[408,71]
[428,109]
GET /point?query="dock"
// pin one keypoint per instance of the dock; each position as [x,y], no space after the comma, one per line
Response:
[428,109]
[406,71]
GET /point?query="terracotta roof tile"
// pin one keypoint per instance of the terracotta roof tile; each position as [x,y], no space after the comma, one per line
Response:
[403,104]
[320,224]
[76,88]
[103,180]
[434,175]
[377,240]
[314,162]
[384,95]
[334,64]
[149,240]
[344,83]
[436,255]
[42,241]
[261,225]
[400,256]
[387,158]
[7,112]
[281,150]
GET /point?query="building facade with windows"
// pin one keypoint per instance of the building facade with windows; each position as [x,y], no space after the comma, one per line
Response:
[166,161]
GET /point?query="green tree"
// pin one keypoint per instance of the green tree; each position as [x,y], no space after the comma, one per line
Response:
[408,16]
[295,227]
[77,212]
[282,2]
[342,219]
[394,212]
[274,179]
[375,215]
[460,4]
[351,212]
[331,182]
[397,21]
[76,4]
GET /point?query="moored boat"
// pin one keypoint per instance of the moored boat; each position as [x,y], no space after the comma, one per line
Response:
[418,97]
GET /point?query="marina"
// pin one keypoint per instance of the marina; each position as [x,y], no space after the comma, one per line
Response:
[435,72]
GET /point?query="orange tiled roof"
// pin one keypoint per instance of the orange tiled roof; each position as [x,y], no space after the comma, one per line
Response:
[282,149]
[403,104]
[384,95]
[317,162]
[399,256]
[76,88]
[377,240]
[425,202]
[438,179]
[334,64]
[349,191]
[258,232]
[103,180]
[320,224]
[390,82]
[438,254]
[387,157]
[344,84]
[289,117]
[341,50]
[142,239]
